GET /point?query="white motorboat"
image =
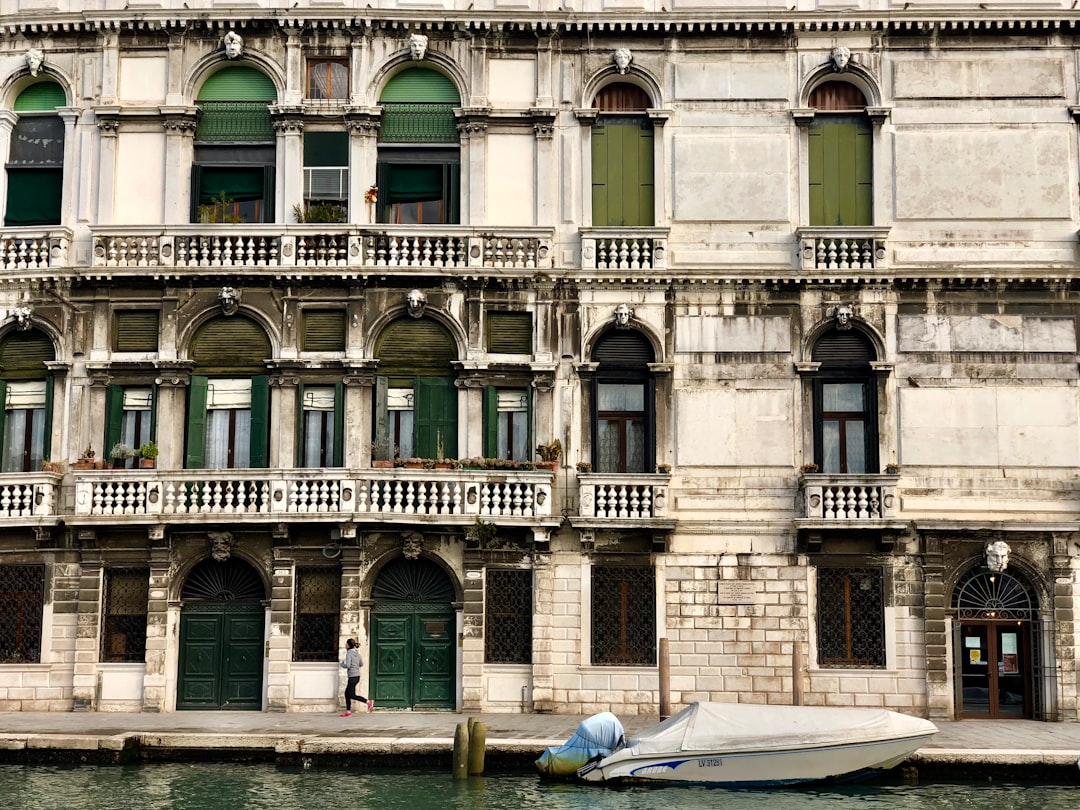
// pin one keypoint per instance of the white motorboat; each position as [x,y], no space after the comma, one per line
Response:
[743,745]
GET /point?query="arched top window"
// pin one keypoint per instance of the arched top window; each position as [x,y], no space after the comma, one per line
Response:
[622,97]
[23,355]
[233,580]
[233,106]
[44,96]
[238,83]
[837,97]
[622,158]
[415,346]
[845,403]
[983,594]
[25,400]
[623,403]
[840,146]
[418,107]
[35,164]
[850,349]
[623,348]
[230,345]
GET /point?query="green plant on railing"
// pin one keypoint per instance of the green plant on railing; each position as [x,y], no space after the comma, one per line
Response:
[320,212]
[550,451]
[149,450]
[217,210]
[122,452]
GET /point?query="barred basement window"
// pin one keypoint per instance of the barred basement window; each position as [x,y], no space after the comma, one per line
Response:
[623,616]
[123,634]
[508,616]
[22,594]
[317,605]
[851,617]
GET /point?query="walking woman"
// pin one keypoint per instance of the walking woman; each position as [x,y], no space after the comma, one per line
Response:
[351,665]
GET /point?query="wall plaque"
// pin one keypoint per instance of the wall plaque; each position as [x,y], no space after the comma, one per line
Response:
[735,592]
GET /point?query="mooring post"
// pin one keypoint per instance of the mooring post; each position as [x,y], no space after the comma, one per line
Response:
[796,674]
[461,752]
[477,744]
[665,680]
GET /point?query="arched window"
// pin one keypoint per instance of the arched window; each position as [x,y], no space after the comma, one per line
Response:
[233,175]
[26,389]
[841,152]
[229,396]
[415,396]
[35,167]
[622,158]
[845,403]
[419,166]
[623,404]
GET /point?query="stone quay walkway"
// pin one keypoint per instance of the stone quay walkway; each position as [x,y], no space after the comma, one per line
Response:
[1021,749]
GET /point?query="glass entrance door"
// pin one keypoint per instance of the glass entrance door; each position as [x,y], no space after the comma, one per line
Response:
[995,663]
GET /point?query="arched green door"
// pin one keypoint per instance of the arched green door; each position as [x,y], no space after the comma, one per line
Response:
[221,638]
[413,631]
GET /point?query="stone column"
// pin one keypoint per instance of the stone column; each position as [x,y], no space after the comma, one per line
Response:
[363,163]
[289,177]
[279,645]
[358,419]
[939,700]
[73,178]
[180,125]
[171,418]
[1063,572]
[472,644]
[157,621]
[284,413]
[87,633]
[473,171]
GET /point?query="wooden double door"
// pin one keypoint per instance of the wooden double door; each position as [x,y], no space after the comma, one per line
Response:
[995,668]
[414,658]
[221,656]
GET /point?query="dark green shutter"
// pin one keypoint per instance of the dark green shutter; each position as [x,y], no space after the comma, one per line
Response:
[23,355]
[409,346]
[230,345]
[509,332]
[326,149]
[34,197]
[136,330]
[841,173]
[339,424]
[324,330]
[195,457]
[491,421]
[46,450]
[114,416]
[41,96]
[436,416]
[600,175]
[260,422]
[420,85]
[418,107]
[622,156]
[300,432]
[238,83]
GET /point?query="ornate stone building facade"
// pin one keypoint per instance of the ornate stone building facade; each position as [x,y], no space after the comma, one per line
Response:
[529,343]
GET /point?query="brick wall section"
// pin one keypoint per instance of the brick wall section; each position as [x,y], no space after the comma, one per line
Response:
[157,616]
[87,634]
[279,675]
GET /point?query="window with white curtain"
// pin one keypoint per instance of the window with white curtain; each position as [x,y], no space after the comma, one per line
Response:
[228,424]
[24,426]
[318,405]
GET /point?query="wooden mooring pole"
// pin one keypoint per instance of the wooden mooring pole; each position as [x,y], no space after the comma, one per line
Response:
[461,752]
[796,674]
[477,744]
[665,680]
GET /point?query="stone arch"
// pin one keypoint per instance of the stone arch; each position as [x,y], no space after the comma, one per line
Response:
[382,564]
[634,75]
[390,314]
[603,329]
[186,336]
[855,74]
[20,78]
[215,61]
[401,60]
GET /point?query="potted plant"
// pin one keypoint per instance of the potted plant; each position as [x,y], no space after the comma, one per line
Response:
[86,460]
[809,468]
[383,452]
[414,463]
[120,453]
[148,454]
[549,454]
[663,469]
[584,467]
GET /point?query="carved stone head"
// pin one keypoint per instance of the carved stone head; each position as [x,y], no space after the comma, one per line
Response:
[234,45]
[220,545]
[997,556]
[844,314]
[622,59]
[412,543]
[229,298]
[417,46]
[840,57]
[623,314]
[22,317]
[415,302]
[35,58]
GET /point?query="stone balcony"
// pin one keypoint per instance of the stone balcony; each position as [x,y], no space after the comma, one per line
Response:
[33,252]
[29,498]
[843,249]
[296,251]
[356,495]
[606,249]
[850,499]
[606,499]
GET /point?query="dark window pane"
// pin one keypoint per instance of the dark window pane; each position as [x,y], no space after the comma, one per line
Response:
[123,635]
[851,617]
[508,617]
[318,605]
[623,616]
[22,590]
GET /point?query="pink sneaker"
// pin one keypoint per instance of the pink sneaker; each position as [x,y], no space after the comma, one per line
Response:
[371,705]
[346,714]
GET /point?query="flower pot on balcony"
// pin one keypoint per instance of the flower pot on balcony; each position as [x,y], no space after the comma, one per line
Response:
[147,463]
[547,465]
[382,463]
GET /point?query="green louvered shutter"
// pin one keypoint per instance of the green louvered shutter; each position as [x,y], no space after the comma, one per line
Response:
[238,83]
[324,330]
[339,424]
[436,417]
[40,97]
[509,332]
[136,330]
[260,422]
[622,155]
[195,457]
[491,421]
[841,182]
[418,107]
[233,106]
[114,416]
[23,355]
[411,346]
[230,345]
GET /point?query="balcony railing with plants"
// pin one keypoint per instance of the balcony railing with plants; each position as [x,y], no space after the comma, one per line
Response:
[829,497]
[623,496]
[330,246]
[344,494]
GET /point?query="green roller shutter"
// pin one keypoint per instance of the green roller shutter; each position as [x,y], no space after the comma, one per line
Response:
[195,457]
[114,416]
[491,421]
[436,417]
[622,155]
[23,355]
[46,450]
[3,415]
[509,332]
[136,330]
[238,83]
[841,183]
[39,97]
[420,84]
[230,345]
[418,107]
[415,346]
[260,422]
[324,330]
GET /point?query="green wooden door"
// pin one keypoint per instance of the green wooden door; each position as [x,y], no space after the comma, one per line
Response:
[841,172]
[622,155]
[221,656]
[413,657]
[436,417]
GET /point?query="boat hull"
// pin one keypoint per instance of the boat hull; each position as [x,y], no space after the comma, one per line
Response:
[829,763]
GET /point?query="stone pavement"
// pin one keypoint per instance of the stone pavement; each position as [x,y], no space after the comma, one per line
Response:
[30,736]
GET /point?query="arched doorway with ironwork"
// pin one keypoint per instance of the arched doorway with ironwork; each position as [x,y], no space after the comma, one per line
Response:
[222,635]
[413,633]
[998,646]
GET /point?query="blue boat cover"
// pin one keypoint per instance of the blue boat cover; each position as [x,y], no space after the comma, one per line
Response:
[597,737]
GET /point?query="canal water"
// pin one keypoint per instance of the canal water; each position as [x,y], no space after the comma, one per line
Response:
[202,786]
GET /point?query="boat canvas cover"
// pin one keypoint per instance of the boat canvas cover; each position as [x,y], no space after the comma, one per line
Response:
[596,737]
[727,727]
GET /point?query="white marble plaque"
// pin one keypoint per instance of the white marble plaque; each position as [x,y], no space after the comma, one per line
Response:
[736,592]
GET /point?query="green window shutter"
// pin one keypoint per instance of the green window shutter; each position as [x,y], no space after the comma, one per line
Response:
[136,330]
[411,346]
[238,83]
[491,421]
[418,107]
[260,421]
[339,424]
[623,173]
[436,417]
[324,330]
[420,85]
[34,197]
[643,215]
[600,175]
[326,149]
[114,416]
[298,425]
[841,173]
[509,332]
[44,95]
[46,450]
[23,355]
[195,457]
[230,345]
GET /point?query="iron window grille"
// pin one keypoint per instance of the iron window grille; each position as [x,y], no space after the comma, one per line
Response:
[623,616]
[22,593]
[508,616]
[317,612]
[123,636]
[851,618]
